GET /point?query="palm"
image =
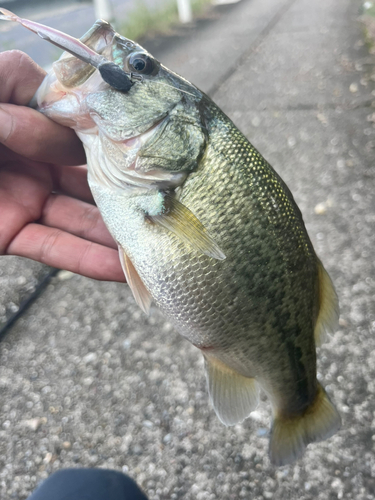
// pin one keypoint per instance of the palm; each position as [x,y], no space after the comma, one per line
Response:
[46,208]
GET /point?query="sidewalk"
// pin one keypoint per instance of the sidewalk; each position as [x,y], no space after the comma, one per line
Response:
[87,380]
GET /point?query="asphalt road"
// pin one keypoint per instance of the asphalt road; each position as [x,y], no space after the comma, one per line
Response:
[87,380]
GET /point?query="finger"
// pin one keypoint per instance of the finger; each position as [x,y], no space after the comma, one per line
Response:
[72,181]
[31,134]
[20,77]
[22,197]
[56,248]
[76,217]
[67,179]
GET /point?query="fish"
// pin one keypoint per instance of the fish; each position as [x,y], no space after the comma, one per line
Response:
[206,230]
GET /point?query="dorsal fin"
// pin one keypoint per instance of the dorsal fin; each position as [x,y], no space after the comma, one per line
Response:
[329,308]
[232,395]
[141,294]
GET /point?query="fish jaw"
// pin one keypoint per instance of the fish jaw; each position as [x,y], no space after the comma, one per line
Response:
[66,105]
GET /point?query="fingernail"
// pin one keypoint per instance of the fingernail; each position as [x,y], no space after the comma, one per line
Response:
[6,120]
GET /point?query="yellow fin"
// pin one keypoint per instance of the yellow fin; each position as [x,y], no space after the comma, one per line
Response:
[141,294]
[183,223]
[291,435]
[329,308]
[232,395]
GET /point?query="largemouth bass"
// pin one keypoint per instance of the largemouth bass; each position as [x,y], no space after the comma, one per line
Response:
[206,230]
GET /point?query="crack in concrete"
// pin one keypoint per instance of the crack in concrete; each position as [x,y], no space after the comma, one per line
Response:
[27,302]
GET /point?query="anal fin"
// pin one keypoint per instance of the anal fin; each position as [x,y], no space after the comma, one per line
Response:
[141,294]
[329,309]
[232,395]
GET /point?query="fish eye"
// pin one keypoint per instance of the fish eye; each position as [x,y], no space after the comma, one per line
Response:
[141,63]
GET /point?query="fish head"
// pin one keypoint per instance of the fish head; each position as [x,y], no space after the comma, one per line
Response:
[149,133]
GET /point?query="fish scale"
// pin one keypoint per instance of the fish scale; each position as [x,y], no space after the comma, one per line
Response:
[256,265]
[206,229]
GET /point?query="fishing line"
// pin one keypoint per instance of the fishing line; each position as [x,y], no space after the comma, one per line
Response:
[174,88]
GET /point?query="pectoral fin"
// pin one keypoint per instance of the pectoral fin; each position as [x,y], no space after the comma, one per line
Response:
[233,396]
[178,219]
[141,294]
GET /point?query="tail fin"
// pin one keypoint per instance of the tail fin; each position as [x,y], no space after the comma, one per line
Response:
[291,435]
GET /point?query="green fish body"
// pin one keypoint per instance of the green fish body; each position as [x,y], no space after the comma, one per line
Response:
[207,231]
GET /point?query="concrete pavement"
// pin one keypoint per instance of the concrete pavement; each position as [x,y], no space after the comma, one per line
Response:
[87,380]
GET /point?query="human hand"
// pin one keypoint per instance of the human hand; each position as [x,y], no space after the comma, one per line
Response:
[46,209]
